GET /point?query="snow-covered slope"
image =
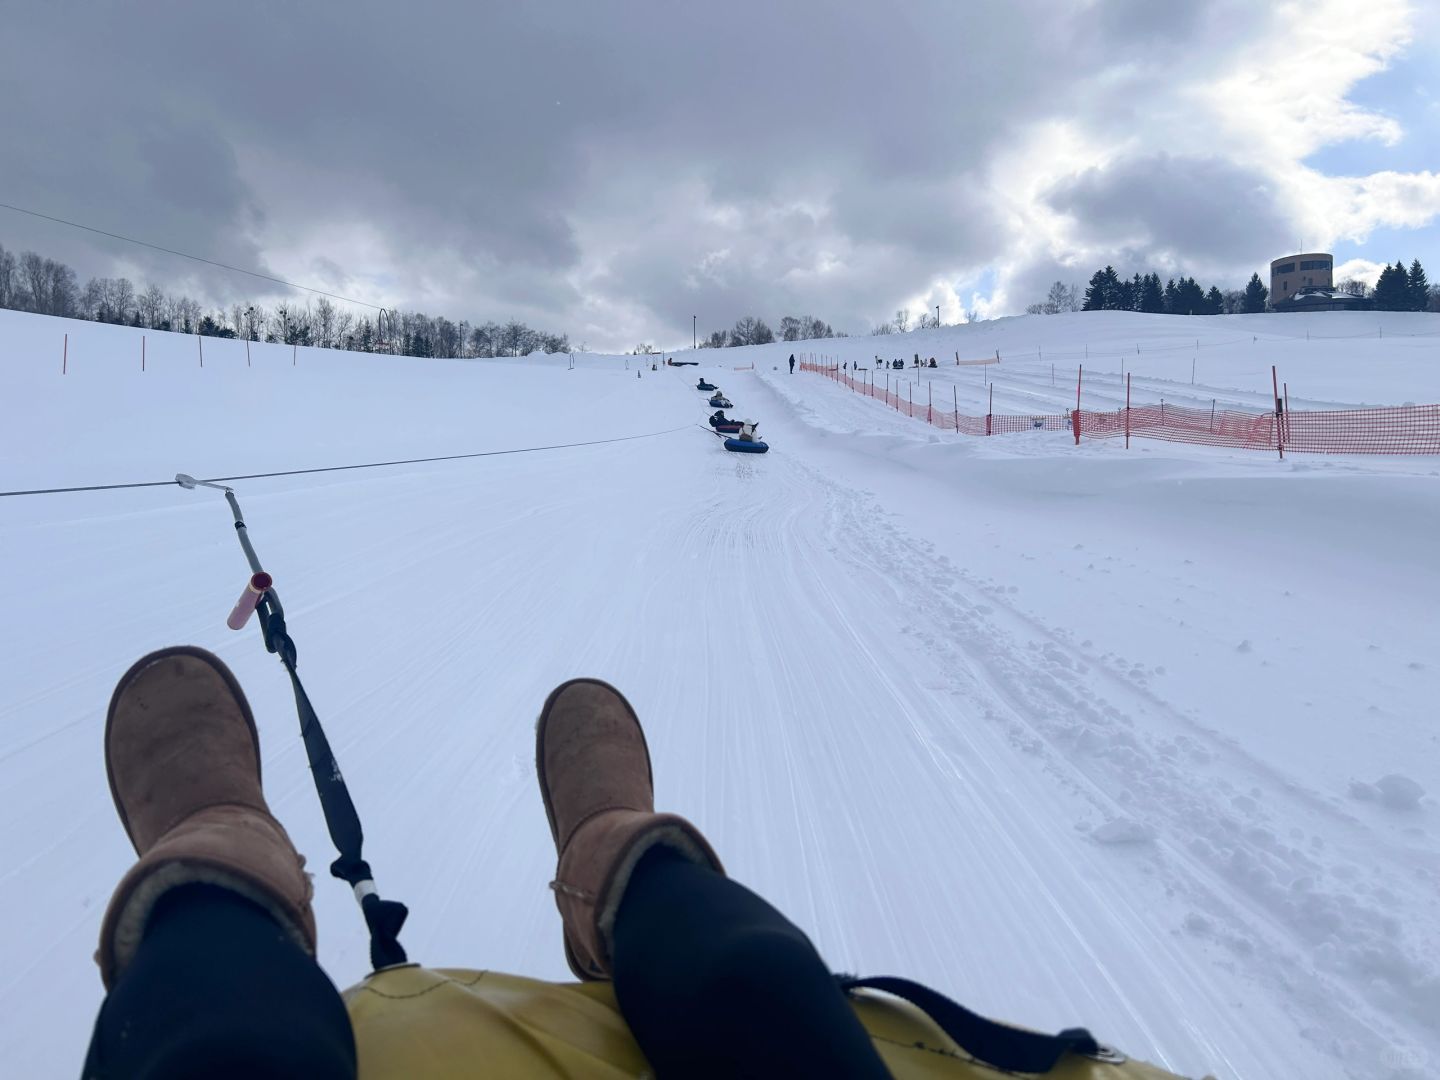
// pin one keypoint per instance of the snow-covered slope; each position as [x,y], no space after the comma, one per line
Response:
[1078,735]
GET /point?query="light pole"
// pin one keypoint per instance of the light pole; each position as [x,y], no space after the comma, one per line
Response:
[937,316]
[695,331]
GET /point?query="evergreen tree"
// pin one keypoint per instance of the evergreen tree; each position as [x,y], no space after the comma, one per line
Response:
[1172,298]
[1255,295]
[1190,298]
[1392,291]
[1214,302]
[1152,299]
[1099,294]
[1135,292]
[1419,287]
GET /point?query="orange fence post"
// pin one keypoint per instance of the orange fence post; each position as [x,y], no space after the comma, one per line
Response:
[990,413]
[65,355]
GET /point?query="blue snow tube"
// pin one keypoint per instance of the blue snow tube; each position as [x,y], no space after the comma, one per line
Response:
[741,446]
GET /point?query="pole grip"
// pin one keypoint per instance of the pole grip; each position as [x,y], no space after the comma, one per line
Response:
[245,606]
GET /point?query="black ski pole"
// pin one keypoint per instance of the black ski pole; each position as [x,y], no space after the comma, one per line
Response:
[384,918]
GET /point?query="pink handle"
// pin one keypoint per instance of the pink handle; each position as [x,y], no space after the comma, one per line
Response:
[254,589]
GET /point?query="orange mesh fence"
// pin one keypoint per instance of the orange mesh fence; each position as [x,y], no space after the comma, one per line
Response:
[1404,429]
[1401,429]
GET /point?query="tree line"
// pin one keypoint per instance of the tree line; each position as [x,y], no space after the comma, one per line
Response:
[754,331]
[1396,290]
[1402,290]
[31,282]
[1108,291]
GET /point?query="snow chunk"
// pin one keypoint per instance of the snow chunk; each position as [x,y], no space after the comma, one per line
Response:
[1395,791]
[1399,792]
[1123,831]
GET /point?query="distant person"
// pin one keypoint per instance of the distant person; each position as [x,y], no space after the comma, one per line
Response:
[792,363]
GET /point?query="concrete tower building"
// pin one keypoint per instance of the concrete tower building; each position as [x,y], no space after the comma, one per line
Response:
[1295,272]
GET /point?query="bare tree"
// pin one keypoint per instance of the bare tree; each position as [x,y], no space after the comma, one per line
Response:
[255,319]
[1062,297]
[32,280]
[751,331]
[151,304]
[119,299]
[902,321]
[7,277]
[325,323]
[92,299]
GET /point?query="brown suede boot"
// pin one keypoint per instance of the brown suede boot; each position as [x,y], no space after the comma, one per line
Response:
[183,759]
[594,770]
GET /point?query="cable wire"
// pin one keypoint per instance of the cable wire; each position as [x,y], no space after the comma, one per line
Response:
[345,468]
[196,258]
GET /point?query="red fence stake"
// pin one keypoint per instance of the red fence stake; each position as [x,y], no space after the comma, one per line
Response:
[955,392]
[990,413]
[930,405]
[65,355]
[142,352]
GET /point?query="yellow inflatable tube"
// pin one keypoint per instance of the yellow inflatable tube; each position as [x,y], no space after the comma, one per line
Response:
[421,1023]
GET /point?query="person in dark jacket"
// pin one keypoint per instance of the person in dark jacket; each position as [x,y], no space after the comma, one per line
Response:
[792,363]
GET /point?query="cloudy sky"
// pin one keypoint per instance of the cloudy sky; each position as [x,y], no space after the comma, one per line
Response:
[609,168]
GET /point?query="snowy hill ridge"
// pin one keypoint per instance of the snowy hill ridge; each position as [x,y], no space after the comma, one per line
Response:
[1141,740]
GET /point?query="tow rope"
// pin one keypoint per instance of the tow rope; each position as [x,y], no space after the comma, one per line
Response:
[384,918]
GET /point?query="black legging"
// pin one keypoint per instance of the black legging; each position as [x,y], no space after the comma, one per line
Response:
[712,980]
[218,989]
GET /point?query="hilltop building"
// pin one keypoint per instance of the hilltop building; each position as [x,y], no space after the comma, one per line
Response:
[1292,273]
[1306,282]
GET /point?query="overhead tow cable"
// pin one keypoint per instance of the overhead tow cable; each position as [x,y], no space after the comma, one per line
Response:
[344,468]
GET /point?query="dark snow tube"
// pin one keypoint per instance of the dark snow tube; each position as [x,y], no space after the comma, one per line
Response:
[727,429]
[704,386]
[720,403]
[740,446]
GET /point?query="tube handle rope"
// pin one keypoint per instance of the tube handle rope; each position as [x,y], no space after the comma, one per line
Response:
[383,918]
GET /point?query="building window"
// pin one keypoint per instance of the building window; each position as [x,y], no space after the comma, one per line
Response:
[1315,264]
[1288,268]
